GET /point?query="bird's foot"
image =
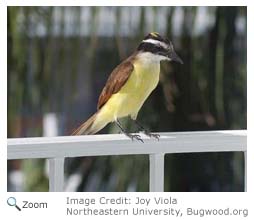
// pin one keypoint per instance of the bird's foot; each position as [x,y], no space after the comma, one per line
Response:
[134,136]
[151,135]
[146,132]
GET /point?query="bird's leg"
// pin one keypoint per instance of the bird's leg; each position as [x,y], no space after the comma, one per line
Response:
[131,136]
[146,132]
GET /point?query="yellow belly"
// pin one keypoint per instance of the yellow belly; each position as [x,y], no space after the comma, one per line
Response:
[133,94]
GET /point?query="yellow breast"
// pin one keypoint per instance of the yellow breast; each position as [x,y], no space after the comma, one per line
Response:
[136,90]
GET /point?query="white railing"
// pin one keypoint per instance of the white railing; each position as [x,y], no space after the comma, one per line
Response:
[56,149]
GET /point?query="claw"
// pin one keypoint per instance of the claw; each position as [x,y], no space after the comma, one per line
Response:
[146,132]
[135,136]
[151,135]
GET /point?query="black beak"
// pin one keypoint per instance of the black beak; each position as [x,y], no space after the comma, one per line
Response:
[173,56]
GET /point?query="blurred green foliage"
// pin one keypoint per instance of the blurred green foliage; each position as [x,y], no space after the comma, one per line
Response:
[60,57]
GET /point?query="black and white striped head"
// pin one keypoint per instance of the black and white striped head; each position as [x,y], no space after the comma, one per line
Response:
[161,48]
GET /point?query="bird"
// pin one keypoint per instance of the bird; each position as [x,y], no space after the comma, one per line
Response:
[129,85]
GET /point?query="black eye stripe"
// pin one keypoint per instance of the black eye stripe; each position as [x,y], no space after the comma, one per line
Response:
[153,48]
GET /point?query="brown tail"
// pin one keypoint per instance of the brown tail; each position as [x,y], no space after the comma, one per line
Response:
[86,127]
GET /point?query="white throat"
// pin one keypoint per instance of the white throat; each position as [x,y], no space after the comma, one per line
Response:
[150,57]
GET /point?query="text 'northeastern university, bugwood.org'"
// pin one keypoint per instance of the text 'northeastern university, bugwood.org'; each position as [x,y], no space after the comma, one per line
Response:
[143,206]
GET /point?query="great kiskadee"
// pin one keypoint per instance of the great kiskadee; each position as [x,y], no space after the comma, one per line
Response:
[129,85]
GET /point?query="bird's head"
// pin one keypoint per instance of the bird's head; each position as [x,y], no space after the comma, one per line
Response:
[160,47]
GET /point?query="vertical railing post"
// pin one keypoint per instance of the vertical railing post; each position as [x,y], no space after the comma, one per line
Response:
[245,171]
[56,174]
[156,172]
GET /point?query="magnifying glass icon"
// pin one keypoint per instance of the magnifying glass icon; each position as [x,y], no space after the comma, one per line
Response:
[11,201]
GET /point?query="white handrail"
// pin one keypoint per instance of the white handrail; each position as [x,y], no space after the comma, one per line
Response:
[58,148]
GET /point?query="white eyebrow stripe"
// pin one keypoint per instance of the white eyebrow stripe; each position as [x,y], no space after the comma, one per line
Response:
[152,41]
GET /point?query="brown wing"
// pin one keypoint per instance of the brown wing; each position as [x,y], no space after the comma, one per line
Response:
[116,80]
